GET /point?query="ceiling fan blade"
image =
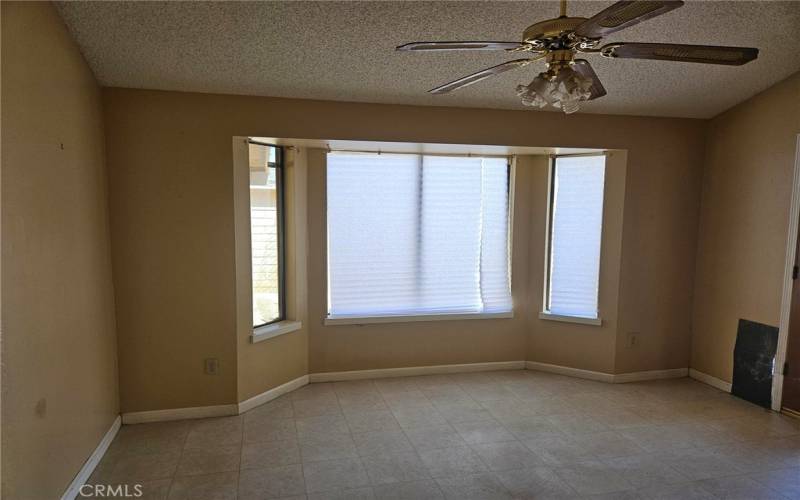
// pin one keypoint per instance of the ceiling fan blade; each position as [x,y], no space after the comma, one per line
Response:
[461,46]
[583,68]
[480,75]
[706,54]
[622,15]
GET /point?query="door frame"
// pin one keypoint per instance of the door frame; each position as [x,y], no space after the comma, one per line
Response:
[786,297]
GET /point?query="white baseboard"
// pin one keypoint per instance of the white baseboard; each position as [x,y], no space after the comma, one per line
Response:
[236,409]
[415,370]
[622,378]
[83,475]
[708,379]
[572,372]
[273,393]
[141,417]
[618,378]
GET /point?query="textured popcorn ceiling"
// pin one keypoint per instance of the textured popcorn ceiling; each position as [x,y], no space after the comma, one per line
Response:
[345,51]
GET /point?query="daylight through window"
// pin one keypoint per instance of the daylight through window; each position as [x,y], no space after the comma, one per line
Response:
[417,235]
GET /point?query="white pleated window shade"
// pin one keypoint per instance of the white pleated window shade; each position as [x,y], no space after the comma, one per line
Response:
[416,235]
[576,228]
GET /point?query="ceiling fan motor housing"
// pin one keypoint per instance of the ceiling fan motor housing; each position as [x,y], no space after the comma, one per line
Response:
[558,59]
[551,29]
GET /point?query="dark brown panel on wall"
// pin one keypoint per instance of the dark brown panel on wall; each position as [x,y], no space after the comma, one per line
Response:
[753,359]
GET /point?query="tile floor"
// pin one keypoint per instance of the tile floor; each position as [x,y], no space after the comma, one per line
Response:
[509,434]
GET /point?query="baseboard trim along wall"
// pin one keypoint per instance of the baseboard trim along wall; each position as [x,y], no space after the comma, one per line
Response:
[414,371]
[266,396]
[271,394]
[611,378]
[572,372]
[91,463]
[142,417]
[710,380]
[622,378]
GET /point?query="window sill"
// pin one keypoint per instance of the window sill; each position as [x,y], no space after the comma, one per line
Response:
[364,320]
[274,330]
[570,319]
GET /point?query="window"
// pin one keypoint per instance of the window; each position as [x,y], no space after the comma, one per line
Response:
[413,235]
[576,219]
[266,233]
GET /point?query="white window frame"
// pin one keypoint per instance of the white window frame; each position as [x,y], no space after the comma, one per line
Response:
[545,312]
[333,319]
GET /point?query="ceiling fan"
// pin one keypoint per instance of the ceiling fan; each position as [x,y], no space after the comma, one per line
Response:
[567,80]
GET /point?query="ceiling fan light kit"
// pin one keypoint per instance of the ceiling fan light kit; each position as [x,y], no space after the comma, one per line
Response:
[560,86]
[568,81]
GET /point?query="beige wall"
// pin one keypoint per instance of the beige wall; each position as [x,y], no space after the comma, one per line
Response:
[744,222]
[172,204]
[59,349]
[659,241]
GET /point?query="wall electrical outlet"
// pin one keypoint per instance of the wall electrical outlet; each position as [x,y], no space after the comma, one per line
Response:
[212,366]
[633,340]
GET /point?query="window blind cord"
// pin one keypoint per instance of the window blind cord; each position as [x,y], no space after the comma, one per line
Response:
[480,241]
[420,240]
